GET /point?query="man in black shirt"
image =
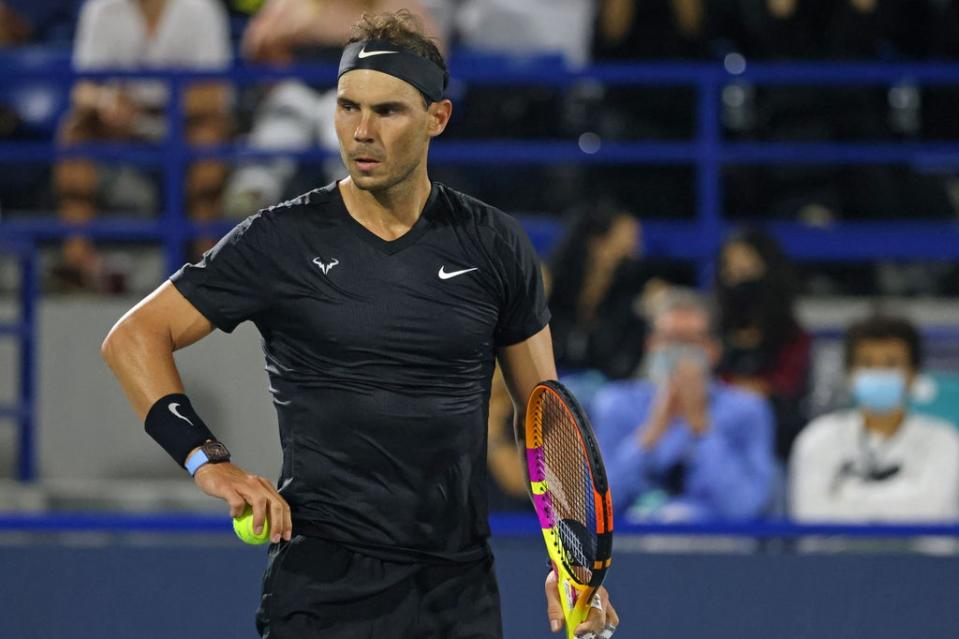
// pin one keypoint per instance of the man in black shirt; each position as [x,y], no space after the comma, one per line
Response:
[383,300]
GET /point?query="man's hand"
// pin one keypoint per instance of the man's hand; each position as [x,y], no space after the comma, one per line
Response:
[239,488]
[692,394]
[280,27]
[599,624]
[665,408]
[117,110]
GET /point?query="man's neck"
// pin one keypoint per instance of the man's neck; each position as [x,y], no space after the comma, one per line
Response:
[152,12]
[389,213]
[884,425]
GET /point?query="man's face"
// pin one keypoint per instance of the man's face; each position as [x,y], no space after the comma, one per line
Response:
[681,327]
[887,354]
[384,127]
[880,375]
[680,337]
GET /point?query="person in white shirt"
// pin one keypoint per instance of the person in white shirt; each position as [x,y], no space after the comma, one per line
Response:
[140,34]
[877,462]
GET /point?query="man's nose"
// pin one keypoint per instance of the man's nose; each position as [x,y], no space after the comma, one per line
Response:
[364,129]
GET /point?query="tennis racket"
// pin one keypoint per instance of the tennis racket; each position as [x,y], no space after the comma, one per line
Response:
[569,489]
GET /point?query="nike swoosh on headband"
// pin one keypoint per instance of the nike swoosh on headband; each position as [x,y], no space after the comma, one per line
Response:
[366,54]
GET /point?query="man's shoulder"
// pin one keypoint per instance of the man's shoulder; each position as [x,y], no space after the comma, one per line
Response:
[319,200]
[941,431]
[466,209]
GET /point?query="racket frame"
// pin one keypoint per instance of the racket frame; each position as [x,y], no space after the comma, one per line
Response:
[575,595]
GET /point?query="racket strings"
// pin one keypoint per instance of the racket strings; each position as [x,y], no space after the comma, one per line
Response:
[569,484]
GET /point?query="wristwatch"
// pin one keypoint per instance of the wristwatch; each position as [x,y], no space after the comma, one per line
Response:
[211,452]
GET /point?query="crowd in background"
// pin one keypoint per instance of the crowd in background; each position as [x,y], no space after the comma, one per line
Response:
[700,402]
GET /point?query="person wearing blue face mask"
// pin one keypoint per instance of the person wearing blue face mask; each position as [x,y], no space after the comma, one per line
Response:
[681,445]
[877,461]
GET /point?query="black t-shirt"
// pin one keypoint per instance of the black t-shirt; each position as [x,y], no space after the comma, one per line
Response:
[380,355]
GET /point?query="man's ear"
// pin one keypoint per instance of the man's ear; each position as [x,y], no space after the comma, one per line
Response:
[438,114]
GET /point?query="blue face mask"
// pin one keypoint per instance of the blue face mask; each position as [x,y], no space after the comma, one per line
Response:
[879,390]
[661,363]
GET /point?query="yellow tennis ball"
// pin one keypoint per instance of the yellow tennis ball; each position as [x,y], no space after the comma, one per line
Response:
[243,527]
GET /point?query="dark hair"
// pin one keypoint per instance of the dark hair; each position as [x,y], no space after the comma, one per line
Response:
[568,262]
[400,28]
[773,310]
[883,327]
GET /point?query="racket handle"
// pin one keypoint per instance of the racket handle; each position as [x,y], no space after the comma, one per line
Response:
[575,611]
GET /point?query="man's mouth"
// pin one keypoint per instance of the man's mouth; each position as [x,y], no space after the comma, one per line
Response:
[366,163]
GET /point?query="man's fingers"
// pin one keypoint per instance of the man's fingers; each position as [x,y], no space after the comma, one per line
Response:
[601,620]
[595,622]
[281,520]
[236,502]
[554,609]
[258,498]
[612,618]
[276,520]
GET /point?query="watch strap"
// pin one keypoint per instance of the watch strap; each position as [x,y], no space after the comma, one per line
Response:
[197,459]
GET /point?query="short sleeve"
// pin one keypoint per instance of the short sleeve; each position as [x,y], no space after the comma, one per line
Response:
[524,311]
[92,42]
[231,283]
[211,48]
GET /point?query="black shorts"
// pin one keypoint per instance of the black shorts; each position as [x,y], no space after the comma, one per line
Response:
[316,589]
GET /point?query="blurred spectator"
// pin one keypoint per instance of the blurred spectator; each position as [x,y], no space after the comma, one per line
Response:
[531,27]
[15,28]
[597,321]
[653,29]
[682,446]
[291,115]
[878,461]
[29,107]
[764,348]
[33,21]
[147,34]
[827,30]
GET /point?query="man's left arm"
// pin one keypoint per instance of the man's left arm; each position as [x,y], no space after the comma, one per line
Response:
[524,365]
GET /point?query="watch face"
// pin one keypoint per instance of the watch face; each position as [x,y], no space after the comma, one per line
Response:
[216,452]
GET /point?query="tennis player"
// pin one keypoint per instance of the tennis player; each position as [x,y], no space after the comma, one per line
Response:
[383,300]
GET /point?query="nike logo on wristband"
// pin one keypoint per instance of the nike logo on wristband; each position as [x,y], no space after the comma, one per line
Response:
[173,409]
[365,54]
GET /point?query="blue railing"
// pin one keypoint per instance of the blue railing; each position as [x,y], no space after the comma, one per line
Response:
[707,151]
[23,329]
[502,524]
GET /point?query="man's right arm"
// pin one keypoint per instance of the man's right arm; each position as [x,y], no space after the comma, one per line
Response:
[139,350]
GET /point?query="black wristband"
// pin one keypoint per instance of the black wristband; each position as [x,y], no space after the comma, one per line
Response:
[174,424]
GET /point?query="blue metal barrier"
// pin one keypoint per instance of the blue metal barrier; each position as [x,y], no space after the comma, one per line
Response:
[502,525]
[707,151]
[22,411]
